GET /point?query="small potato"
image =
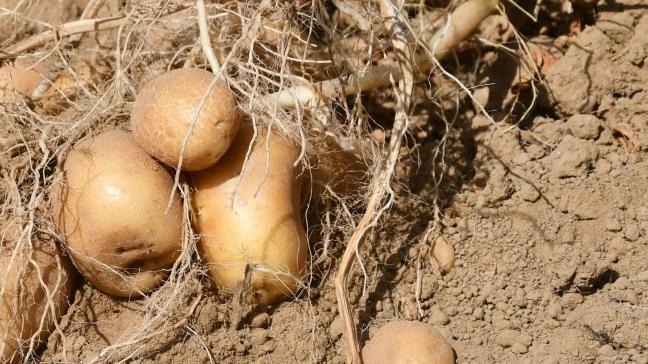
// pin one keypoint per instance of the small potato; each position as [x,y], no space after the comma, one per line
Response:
[110,206]
[23,77]
[165,109]
[443,253]
[26,281]
[252,217]
[408,342]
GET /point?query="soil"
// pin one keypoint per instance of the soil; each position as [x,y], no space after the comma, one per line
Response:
[548,219]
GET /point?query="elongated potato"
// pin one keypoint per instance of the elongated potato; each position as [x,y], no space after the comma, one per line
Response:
[110,206]
[26,282]
[252,217]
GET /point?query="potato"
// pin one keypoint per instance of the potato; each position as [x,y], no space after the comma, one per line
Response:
[23,302]
[253,217]
[165,108]
[443,253]
[412,342]
[110,206]
[23,77]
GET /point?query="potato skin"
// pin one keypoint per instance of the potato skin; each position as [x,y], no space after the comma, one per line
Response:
[24,300]
[407,342]
[110,206]
[253,218]
[164,110]
[24,76]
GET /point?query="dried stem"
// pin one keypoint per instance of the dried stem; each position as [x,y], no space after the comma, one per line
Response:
[462,23]
[381,184]
[89,12]
[205,42]
[75,27]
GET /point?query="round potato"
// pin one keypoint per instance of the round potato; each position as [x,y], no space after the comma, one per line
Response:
[165,109]
[250,218]
[411,342]
[110,205]
[26,281]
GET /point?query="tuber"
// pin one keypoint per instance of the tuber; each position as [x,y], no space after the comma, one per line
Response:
[250,219]
[443,253]
[412,342]
[166,108]
[24,77]
[110,205]
[33,285]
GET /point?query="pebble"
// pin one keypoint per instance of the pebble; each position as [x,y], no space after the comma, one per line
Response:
[260,321]
[632,232]
[507,338]
[573,157]
[335,330]
[452,311]
[499,321]
[613,224]
[571,300]
[535,151]
[622,283]
[258,337]
[642,277]
[584,126]
[475,341]
[478,313]
[529,193]
[606,350]
[642,213]
[618,245]
[554,310]
[437,317]
[603,166]
[519,348]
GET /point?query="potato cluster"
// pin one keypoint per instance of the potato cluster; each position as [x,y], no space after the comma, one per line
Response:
[115,204]
[112,197]
[122,221]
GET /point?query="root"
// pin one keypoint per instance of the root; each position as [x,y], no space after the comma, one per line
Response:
[204,38]
[67,29]
[381,184]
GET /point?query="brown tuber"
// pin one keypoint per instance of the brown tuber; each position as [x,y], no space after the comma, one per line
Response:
[251,220]
[111,208]
[165,109]
[443,253]
[24,77]
[33,285]
[411,342]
